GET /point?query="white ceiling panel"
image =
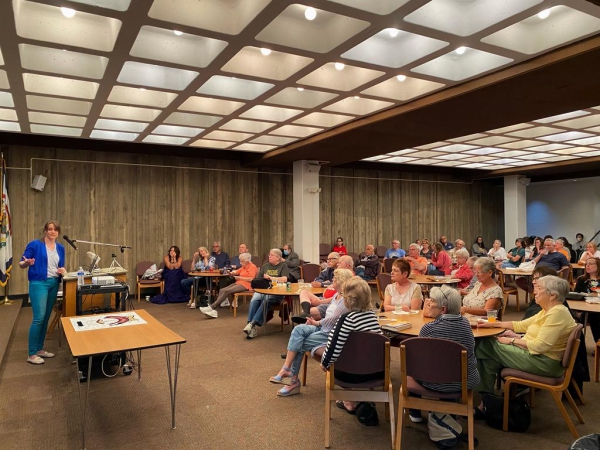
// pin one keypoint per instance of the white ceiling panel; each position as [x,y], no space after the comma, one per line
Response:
[358,106]
[181,48]
[305,98]
[4,84]
[534,132]
[273,113]
[113,135]
[379,7]
[171,130]
[10,126]
[167,140]
[221,135]
[156,76]
[350,77]
[129,113]
[565,116]
[407,89]
[273,140]
[208,143]
[58,105]
[63,62]
[120,125]
[141,97]
[8,114]
[321,35]
[47,23]
[254,147]
[275,66]
[65,87]
[249,126]
[192,120]
[295,131]
[117,5]
[57,131]
[327,120]
[233,87]
[210,105]
[581,122]
[57,119]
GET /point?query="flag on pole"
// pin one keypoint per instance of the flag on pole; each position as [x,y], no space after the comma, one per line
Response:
[6,256]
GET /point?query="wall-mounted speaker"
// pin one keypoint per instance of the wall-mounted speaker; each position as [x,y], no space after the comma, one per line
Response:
[39,181]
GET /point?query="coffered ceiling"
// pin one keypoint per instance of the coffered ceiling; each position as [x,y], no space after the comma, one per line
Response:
[283,81]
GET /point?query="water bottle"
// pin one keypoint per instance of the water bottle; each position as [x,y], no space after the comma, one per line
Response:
[80,280]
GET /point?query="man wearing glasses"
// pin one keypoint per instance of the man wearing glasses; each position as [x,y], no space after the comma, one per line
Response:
[221,258]
[395,251]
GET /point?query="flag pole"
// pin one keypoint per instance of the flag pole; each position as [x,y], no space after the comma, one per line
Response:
[5,301]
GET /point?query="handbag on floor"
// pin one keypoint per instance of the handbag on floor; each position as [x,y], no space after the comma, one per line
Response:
[443,430]
[519,412]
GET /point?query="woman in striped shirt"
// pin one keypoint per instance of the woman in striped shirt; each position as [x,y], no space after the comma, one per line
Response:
[357,298]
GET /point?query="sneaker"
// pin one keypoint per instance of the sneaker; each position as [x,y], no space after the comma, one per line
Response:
[226,303]
[252,333]
[204,309]
[211,312]
[247,328]
[415,415]
[35,359]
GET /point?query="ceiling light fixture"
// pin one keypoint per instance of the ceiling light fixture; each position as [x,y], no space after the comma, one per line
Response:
[67,12]
[300,89]
[265,51]
[339,66]
[310,13]
[401,78]
[393,32]
[356,97]
[544,14]
[177,32]
[461,50]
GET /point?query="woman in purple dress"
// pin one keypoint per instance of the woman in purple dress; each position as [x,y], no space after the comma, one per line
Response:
[172,275]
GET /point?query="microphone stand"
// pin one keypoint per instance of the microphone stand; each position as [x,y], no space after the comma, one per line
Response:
[114,263]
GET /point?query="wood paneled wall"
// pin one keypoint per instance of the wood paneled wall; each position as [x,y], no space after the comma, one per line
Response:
[151,203]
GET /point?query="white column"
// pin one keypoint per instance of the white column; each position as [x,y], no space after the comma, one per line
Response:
[306,210]
[515,208]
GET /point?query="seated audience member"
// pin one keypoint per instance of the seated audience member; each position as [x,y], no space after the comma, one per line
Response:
[497,252]
[357,299]
[458,244]
[528,244]
[243,276]
[367,266]
[441,261]
[339,247]
[418,264]
[469,288]
[311,336]
[275,269]
[539,350]
[537,273]
[486,294]
[221,258]
[172,275]
[447,245]
[401,291]
[395,251]
[516,255]
[201,262]
[313,306]
[292,260]
[478,247]
[559,246]
[538,246]
[589,283]
[546,257]
[591,251]
[235,261]
[418,242]
[449,324]
[462,271]
[579,244]
[426,251]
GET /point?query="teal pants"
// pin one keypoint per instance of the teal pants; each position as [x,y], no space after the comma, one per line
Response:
[493,356]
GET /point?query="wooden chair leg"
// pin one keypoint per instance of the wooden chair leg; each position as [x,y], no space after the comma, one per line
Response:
[399,425]
[304,369]
[327,416]
[574,406]
[597,363]
[578,391]
[564,414]
[234,304]
[517,300]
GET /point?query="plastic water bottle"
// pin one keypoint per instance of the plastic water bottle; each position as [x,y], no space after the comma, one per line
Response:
[80,280]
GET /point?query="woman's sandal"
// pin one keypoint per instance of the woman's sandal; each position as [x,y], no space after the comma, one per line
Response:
[291,389]
[279,379]
[340,404]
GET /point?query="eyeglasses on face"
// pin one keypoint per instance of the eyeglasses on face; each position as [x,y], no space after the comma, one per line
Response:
[331,259]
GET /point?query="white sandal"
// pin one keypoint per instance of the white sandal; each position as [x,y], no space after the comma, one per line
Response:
[35,359]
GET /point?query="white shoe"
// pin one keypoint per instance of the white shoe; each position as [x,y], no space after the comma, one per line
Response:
[211,313]
[193,305]
[252,333]
[226,303]
[35,359]
[203,309]
[247,328]
[45,354]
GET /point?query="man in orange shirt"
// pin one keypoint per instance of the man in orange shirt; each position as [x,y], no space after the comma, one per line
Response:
[559,246]
[418,264]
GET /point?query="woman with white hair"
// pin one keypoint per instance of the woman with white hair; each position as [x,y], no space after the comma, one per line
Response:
[486,294]
[243,276]
[535,345]
[462,270]
[497,252]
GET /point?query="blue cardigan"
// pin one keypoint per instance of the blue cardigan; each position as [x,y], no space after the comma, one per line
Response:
[37,249]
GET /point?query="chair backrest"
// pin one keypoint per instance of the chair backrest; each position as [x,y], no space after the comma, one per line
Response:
[564,273]
[354,256]
[571,343]
[142,266]
[380,251]
[363,354]
[324,251]
[387,264]
[257,261]
[308,272]
[447,366]
[383,279]
[185,265]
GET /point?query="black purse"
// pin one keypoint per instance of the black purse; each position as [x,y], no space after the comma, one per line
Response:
[260,283]
[519,412]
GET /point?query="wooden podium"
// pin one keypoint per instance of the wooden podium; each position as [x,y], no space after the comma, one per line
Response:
[70,289]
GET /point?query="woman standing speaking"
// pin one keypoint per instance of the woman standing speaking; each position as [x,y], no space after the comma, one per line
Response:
[46,261]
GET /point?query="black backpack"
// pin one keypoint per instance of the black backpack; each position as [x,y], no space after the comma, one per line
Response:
[367,414]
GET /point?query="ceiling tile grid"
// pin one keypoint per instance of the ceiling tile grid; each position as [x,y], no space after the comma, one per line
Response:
[260,75]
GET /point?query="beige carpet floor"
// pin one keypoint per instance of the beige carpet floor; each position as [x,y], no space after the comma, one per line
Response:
[224,399]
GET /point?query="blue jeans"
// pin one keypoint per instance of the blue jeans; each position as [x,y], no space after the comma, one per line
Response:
[305,338]
[42,295]
[256,310]
[187,283]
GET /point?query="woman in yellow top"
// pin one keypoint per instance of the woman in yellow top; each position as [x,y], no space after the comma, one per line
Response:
[540,349]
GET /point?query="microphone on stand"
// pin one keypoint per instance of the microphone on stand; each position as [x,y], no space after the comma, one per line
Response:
[69,241]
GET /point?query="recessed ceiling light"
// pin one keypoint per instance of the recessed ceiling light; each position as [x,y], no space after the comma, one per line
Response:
[544,14]
[177,32]
[67,12]
[300,89]
[142,89]
[265,51]
[393,32]
[401,78]
[460,50]
[310,13]
[339,66]
[356,97]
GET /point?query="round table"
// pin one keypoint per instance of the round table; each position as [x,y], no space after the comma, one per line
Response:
[433,280]
[210,276]
[293,293]
[417,321]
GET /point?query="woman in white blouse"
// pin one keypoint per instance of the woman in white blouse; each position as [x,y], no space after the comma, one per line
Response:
[486,294]
[401,291]
[591,250]
[497,252]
